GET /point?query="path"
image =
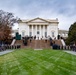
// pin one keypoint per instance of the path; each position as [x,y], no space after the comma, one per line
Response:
[5,52]
[71,52]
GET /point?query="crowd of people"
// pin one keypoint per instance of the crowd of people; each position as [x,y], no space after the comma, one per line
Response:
[73,47]
[52,43]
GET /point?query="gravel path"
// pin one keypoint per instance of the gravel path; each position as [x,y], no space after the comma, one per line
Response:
[5,52]
[71,52]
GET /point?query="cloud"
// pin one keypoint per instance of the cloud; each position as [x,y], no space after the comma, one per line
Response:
[64,10]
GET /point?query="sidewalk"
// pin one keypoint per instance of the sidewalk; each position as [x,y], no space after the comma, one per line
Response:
[71,52]
[5,52]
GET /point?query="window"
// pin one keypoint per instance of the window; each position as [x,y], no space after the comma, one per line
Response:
[45,34]
[53,34]
[23,34]
[30,33]
[37,32]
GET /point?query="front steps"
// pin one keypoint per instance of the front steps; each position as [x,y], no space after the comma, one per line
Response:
[37,44]
[34,44]
[58,42]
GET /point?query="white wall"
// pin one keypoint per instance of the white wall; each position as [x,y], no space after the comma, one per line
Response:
[52,27]
[23,27]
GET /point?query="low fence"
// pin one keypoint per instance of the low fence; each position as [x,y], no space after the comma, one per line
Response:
[65,48]
[5,47]
[71,48]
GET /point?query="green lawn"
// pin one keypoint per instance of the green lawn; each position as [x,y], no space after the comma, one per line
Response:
[38,62]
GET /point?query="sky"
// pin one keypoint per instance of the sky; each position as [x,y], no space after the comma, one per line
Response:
[64,10]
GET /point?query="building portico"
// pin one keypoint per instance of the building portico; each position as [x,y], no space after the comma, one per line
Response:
[41,28]
[38,31]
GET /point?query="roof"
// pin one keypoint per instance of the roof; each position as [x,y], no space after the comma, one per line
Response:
[46,20]
[63,31]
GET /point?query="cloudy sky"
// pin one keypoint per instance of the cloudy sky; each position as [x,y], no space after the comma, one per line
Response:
[64,10]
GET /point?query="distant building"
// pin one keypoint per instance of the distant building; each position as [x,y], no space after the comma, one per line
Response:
[63,33]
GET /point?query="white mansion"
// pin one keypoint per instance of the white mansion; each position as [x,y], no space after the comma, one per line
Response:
[39,27]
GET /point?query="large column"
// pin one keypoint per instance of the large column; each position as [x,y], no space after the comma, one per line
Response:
[40,31]
[43,31]
[28,30]
[36,30]
[32,30]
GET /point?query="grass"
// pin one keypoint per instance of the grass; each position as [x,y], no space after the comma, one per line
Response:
[42,62]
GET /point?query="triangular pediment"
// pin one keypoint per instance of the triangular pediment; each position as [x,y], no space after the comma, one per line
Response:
[38,20]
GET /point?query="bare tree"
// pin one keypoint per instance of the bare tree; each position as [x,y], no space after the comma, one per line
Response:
[6,22]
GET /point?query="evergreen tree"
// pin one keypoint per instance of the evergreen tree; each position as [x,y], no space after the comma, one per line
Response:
[72,34]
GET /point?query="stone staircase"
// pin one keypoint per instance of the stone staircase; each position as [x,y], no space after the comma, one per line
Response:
[37,44]
[58,42]
[40,44]
[20,42]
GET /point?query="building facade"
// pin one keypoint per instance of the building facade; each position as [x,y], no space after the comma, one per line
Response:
[41,28]
[63,33]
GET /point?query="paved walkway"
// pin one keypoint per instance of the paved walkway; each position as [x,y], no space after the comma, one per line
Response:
[38,49]
[8,51]
[71,52]
[5,52]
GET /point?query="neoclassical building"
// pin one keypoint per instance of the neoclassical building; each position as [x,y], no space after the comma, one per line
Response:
[39,27]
